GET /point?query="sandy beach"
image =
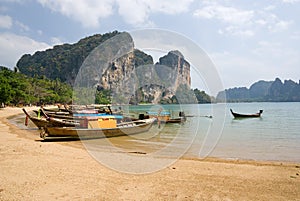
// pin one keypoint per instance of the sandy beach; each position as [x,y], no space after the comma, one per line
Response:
[31,169]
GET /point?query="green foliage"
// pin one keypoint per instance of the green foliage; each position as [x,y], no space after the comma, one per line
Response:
[62,61]
[141,58]
[103,97]
[201,96]
[184,95]
[17,88]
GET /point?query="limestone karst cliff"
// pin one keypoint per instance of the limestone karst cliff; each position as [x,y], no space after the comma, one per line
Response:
[131,78]
[151,83]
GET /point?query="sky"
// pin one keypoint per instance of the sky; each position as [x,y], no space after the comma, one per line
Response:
[246,40]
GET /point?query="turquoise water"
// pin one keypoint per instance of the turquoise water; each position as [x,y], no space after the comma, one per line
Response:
[273,137]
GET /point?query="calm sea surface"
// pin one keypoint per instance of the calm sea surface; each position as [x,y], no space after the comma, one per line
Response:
[273,137]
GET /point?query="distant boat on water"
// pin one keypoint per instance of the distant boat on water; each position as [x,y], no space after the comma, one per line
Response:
[165,117]
[238,115]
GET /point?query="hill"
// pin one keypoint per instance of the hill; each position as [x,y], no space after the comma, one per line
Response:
[131,78]
[62,61]
[267,91]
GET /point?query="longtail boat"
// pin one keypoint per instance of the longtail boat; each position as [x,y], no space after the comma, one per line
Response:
[100,128]
[165,117]
[237,115]
[39,122]
[45,121]
[176,120]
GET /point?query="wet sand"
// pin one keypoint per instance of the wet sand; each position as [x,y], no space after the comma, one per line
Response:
[31,169]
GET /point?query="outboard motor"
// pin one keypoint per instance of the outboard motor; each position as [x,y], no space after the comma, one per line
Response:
[181,114]
[141,116]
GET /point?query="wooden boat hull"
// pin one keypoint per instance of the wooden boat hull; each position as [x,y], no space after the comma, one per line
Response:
[237,115]
[50,122]
[131,128]
[165,117]
[51,113]
[59,109]
[40,123]
[54,122]
[176,120]
[171,120]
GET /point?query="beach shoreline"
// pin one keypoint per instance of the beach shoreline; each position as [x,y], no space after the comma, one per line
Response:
[33,170]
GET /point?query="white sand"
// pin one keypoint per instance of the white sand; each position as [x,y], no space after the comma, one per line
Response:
[34,170]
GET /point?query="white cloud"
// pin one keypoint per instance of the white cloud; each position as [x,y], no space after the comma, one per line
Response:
[272,22]
[56,41]
[239,22]
[236,31]
[136,12]
[5,22]
[261,22]
[14,46]
[22,26]
[281,25]
[236,21]
[225,14]
[87,12]
[270,8]
[168,6]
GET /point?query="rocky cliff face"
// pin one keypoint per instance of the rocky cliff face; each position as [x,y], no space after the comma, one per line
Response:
[146,83]
[164,80]
[179,65]
[132,78]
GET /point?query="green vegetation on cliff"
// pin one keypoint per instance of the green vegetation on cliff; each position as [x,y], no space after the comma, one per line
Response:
[62,61]
[202,97]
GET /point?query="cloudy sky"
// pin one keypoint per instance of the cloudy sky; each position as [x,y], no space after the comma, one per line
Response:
[247,40]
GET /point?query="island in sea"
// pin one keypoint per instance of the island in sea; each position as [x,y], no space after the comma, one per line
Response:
[263,91]
[48,77]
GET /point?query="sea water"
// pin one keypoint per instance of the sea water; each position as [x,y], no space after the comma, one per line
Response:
[275,136]
[211,131]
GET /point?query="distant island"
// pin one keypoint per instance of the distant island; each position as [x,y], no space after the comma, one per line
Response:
[263,91]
